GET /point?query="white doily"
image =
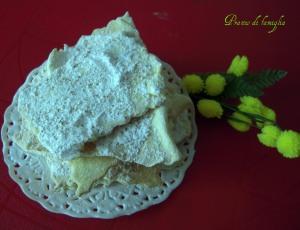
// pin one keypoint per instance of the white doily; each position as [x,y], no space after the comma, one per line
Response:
[31,173]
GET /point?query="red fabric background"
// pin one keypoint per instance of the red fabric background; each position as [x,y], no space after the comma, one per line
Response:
[234,182]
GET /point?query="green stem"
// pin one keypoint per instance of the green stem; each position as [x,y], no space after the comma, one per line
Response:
[256,117]
[252,116]
[241,121]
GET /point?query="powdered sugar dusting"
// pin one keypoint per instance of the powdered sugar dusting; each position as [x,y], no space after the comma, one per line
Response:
[126,142]
[91,88]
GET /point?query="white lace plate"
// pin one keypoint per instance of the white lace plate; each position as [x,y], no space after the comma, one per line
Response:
[31,174]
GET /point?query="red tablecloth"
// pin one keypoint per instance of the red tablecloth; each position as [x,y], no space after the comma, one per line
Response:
[234,182]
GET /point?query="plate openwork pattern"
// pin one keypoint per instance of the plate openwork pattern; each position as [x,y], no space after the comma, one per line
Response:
[31,173]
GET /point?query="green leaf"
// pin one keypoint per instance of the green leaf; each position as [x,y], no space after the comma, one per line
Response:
[266,78]
[240,86]
[251,84]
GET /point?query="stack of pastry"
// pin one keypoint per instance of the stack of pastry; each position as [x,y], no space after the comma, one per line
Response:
[103,112]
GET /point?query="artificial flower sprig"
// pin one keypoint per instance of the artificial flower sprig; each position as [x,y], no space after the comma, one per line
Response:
[209,92]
